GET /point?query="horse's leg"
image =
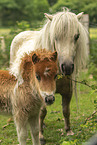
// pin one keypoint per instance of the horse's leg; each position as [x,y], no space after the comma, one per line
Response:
[34,128]
[43,113]
[64,87]
[21,132]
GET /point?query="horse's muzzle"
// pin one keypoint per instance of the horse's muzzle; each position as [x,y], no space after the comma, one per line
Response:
[67,69]
[49,99]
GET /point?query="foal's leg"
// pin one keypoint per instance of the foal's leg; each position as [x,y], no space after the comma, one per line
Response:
[34,128]
[21,132]
[43,113]
[64,87]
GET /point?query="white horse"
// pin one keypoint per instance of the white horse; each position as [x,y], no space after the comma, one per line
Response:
[64,33]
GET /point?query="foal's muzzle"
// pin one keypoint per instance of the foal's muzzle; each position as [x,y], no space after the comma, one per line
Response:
[67,69]
[49,99]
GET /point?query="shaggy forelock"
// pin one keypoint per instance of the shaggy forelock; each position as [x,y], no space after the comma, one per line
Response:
[63,25]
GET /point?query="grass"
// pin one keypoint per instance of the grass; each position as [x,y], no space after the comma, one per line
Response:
[54,132]
[4,31]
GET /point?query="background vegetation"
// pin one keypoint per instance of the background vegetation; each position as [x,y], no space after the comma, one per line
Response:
[12,11]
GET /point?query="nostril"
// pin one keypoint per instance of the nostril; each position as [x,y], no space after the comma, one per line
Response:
[63,67]
[46,100]
[72,66]
[53,98]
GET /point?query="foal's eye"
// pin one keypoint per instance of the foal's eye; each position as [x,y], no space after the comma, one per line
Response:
[38,77]
[55,77]
[76,36]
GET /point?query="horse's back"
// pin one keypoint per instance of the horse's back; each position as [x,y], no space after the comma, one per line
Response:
[19,40]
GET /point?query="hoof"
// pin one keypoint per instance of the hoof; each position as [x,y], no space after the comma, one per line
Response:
[42,141]
[70,133]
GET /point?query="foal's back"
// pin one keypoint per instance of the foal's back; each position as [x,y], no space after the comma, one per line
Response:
[6,78]
[7,83]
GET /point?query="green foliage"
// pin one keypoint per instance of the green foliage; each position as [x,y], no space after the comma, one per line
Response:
[52,2]
[70,142]
[93,58]
[8,4]
[66,143]
[93,70]
[93,51]
[35,9]
[8,10]
[58,6]
[32,10]
[5,55]
[23,25]
[16,10]
[95,103]
[88,7]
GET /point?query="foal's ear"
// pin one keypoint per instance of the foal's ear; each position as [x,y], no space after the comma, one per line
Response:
[35,58]
[54,56]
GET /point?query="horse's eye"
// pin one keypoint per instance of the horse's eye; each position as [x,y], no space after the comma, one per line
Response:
[55,77]
[38,77]
[76,36]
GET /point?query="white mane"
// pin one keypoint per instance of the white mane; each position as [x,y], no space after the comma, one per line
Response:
[63,26]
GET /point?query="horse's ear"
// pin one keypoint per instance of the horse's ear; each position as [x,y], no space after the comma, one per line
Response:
[35,58]
[54,56]
[79,16]
[50,17]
